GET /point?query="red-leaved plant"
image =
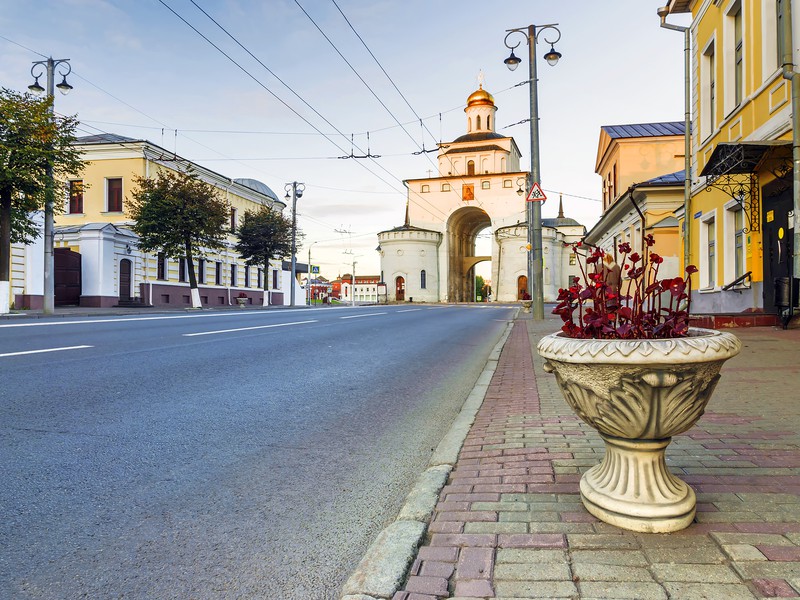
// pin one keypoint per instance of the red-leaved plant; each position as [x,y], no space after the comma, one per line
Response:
[631,304]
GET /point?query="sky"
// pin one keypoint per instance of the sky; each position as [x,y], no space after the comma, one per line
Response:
[307,82]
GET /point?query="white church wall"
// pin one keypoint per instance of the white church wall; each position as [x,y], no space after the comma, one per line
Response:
[406,253]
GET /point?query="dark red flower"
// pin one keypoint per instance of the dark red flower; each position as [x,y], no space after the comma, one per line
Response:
[636,307]
[677,286]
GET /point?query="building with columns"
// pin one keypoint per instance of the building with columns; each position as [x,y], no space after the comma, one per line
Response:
[479,188]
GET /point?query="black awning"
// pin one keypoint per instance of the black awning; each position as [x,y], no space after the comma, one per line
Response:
[732,158]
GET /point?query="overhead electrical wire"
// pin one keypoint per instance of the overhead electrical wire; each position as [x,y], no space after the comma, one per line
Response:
[353,69]
[281,100]
[347,62]
[285,85]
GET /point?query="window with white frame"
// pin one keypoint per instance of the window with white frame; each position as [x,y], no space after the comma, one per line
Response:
[738,56]
[708,251]
[771,37]
[707,91]
[780,15]
[735,259]
[114,194]
[75,205]
[732,57]
[738,243]
[161,266]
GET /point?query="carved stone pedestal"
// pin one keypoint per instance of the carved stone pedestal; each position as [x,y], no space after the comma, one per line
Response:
[633,489]
[638,394]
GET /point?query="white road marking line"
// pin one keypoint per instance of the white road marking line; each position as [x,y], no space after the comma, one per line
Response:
[248,328]
[231,313]
[409,310]
[44,350]
[366,315]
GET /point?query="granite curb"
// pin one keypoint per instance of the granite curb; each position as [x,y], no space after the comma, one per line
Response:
[384,567]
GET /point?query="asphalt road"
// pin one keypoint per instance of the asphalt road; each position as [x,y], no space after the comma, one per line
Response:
[250,454]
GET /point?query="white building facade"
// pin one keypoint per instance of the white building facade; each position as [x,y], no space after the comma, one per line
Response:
[479,188]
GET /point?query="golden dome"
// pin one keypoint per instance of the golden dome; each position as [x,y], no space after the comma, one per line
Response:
[480,96]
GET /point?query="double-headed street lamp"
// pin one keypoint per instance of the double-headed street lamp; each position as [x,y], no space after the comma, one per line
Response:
[534,209]
[38,69]
[297,190]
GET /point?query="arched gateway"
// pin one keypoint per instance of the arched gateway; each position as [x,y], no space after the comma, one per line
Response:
[475,190]
[479,188]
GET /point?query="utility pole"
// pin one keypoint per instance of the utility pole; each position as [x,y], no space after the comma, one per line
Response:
[353,282]
[297,192]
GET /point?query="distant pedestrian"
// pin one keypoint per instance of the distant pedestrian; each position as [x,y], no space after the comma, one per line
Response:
[612,278]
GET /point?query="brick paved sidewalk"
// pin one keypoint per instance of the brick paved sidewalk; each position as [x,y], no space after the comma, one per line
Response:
[510,523]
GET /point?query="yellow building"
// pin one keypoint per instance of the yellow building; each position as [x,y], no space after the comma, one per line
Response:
[642,189]
[741,194]
[97,262]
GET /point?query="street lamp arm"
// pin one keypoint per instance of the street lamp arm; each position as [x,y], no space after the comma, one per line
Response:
[533,32]
[539,29]
[50,63]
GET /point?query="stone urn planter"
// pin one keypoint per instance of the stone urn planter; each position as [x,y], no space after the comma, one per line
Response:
[638,394]
[526,305]
[242,302]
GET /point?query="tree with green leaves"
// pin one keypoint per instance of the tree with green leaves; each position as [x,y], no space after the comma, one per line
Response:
[263,235]
[479,285]
[31,139]
[181,215]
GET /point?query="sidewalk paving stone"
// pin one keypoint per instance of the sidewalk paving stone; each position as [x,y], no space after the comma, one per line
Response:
[510,523]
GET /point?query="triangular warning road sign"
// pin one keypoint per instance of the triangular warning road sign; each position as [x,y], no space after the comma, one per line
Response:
[536,194]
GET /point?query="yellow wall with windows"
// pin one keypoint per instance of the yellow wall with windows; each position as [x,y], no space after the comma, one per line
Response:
[635,160]
[95,176]
[763,113]
[100,169]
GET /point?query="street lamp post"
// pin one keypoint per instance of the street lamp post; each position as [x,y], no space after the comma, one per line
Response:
[534,209]
[297,192]
[49,67]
